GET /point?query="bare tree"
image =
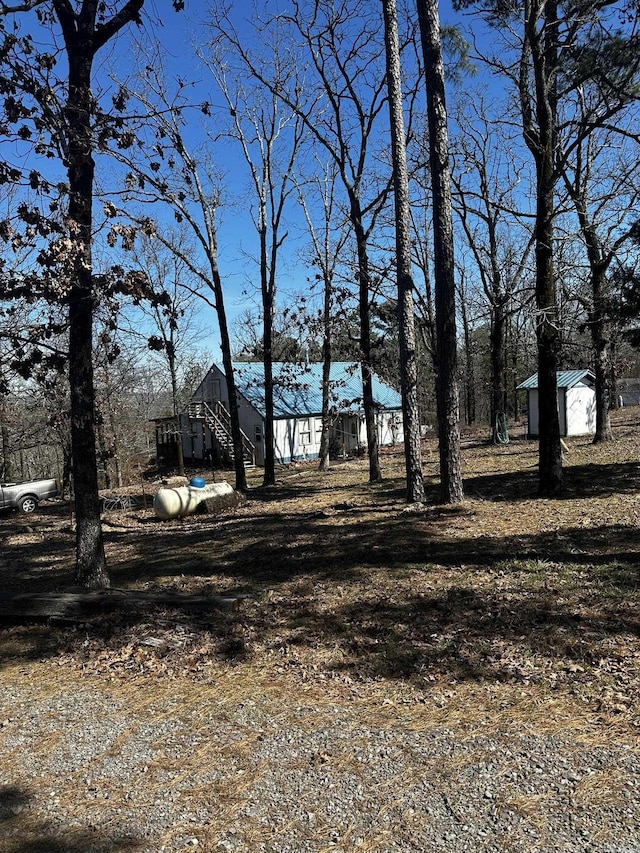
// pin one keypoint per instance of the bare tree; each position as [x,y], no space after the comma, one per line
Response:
[539,106]
[444,270]
[530,32]
[327,242]
[469,373]
[339,94]
[164,170]
[498,233]
[270,140]
[601,175]
[65,110]
[406,329]
[170,307]
[422,252]
[549,52]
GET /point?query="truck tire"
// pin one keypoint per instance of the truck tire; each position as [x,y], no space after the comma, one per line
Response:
[28,503]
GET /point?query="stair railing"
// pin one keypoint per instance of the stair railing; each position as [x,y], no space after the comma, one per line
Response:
[218,420]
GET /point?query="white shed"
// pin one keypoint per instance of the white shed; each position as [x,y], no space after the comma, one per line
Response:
[576,403]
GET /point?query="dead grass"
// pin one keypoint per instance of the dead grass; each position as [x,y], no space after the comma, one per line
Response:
[510,611]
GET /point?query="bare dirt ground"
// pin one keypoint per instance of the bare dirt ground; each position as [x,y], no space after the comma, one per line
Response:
[507,614]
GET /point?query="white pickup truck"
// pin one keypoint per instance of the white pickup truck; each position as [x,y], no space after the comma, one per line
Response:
[27,496]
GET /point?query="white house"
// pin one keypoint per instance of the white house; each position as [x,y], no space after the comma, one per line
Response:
[206,429]
[576,402]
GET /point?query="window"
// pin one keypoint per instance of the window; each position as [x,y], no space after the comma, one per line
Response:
[257,434]
[305,432]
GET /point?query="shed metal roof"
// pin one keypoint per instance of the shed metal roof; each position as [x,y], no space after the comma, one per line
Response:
[298,388]
[564,379]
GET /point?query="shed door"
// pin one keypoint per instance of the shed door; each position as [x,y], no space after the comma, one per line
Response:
[562,410]
[533,411]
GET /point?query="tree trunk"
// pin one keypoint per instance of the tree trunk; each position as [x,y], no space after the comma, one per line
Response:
[601,361]
[112,449]
[614,398]
[375,473]
[598,324]
[7,462]
[267,353]
[469,372]
[91,566]
[406,325]
[550,450]
[103,450]
[117,457]
[179,447]
[323,464]
[498,368]
[82,40]
[541,141]
[269,478]
[67,469]
[227,363]
[171,359]
[446,378]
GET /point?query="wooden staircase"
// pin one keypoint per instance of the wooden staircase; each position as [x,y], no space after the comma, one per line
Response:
[218,419]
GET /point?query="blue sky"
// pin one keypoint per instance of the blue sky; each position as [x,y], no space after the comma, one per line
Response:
[178,33]
[237,239]
[237,236]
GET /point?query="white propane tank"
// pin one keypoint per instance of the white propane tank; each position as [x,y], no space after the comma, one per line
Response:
[184,500]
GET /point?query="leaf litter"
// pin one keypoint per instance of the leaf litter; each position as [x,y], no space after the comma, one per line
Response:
[508,613]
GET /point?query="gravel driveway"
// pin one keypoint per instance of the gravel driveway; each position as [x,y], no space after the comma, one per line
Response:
[96,767]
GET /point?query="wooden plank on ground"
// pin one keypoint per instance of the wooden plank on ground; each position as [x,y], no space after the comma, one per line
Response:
[76,604]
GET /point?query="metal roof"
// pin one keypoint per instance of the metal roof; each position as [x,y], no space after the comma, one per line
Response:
[564,379]
[298,388]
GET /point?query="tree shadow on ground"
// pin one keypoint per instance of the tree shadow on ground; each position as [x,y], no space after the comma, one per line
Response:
[417,603]
[565,593]
[593,480]
[41,561]
[253,553]
[463,633]
[22,832]
[45,561]
[416,597]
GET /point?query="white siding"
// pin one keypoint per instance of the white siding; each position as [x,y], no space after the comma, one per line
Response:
[390,428]
[296,438]
[576,411]
[299,438]
[581,411]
